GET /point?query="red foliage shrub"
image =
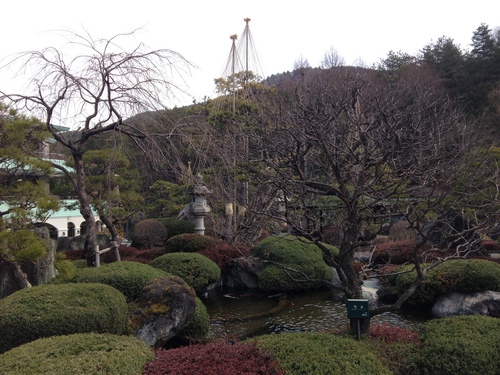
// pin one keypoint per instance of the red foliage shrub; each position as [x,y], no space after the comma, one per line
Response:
[222,253]
[396,252]
[74,254]
[400,231]
[133,254]
[490,245]
[215,358]
[357,266]
[387,333]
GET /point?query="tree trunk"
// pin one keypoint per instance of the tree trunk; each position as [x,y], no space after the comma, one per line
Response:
[114,234]
[85,210]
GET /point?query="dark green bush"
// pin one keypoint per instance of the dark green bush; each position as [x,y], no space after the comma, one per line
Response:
[175,227]
[188,243]
[199,326]
[293,262]
[148,233]
[78,354]
[460,275]
[195,269]
[53,310]
[80,263]
[320,353]
[128,277]
[460,345]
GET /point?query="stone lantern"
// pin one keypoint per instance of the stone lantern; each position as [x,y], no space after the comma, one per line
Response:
[199,207]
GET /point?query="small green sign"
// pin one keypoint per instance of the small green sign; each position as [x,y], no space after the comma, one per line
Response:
[357,309]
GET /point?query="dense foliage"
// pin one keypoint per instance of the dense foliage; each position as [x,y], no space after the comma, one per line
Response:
[321,353]
[199,326]
[78,354]
[292,264]
[195,269]
[460,275]
[175,227]
[188,243]
[126,276]
[460,345]
[215,358]
[52,310]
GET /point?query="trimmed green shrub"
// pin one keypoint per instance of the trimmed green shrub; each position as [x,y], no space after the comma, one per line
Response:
[215,358]
[460,275]
[199,326]
[128,277]
[80,263]
[188,243]
[52,310]
[78,354]
[195,269]
[460,345]
[320,353]
[148,233]
[292,262]
[175,227]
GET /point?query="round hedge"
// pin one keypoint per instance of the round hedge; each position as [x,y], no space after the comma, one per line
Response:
[195,269]
[148,234]
[188,243]
[459,275]
[199,326]
[320,353]
[128,277]
[175,226]
[292,258]
[53,310]
[78,354]
[460,345]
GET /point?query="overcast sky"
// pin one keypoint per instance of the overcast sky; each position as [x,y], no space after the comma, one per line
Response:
[361,31]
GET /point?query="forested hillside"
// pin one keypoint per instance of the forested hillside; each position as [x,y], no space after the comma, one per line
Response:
[470,76]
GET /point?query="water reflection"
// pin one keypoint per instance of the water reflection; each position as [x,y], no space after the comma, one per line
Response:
[247,315]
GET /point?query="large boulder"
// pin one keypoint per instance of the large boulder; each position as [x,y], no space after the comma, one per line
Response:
[482,303]
[166,306]
[243,273]
[42,270]
[12,278]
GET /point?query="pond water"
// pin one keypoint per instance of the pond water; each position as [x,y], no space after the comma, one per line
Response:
[246,315]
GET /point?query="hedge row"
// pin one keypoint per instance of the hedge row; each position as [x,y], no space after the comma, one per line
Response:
[78,354]
[293,264]
[128,277]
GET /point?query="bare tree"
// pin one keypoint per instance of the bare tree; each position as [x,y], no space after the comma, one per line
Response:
[350,149]
[94,93]
[332,59]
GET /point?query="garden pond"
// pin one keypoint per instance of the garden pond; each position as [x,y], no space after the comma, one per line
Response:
[243,315]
